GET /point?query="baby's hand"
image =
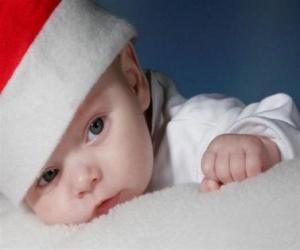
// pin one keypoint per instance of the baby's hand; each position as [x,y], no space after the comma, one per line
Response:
[235,157]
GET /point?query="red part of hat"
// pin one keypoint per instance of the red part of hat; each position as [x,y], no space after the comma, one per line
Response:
[20,22]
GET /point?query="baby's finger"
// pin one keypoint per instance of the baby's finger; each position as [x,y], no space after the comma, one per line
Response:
[237,165]
[208,165]
[208,185]
[254,164]
[222,168]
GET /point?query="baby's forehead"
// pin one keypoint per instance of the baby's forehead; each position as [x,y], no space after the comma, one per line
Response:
[97,96]
[92,97]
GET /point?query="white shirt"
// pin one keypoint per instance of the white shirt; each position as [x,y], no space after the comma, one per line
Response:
[182,129]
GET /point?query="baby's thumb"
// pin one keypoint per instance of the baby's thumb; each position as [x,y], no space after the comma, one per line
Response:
[209,185]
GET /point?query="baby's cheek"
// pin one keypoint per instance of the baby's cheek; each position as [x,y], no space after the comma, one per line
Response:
[44,211]
[62,212]
[48,207]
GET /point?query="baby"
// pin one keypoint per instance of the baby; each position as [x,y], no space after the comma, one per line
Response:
[84,128]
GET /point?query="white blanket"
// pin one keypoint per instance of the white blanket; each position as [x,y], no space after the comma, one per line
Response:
[259,213]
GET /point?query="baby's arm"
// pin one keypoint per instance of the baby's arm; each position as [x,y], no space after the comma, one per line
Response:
[235,157]
[196,123]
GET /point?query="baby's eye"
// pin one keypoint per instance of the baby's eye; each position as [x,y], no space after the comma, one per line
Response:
[47,177]
[95,128]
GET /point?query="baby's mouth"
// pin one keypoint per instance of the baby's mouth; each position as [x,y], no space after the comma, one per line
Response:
[104,206]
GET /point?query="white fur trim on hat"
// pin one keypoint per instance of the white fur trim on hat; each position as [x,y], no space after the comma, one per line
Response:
[75,46]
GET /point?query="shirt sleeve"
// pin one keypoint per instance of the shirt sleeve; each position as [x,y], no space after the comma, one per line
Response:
[275,117]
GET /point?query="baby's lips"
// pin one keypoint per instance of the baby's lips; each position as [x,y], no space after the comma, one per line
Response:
[106,205]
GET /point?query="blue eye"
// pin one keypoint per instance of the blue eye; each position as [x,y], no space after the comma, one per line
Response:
[47,177]
[95,128]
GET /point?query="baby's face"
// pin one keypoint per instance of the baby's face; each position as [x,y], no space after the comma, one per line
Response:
[104,158]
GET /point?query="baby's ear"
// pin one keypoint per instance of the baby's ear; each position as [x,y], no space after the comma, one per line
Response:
[134,75]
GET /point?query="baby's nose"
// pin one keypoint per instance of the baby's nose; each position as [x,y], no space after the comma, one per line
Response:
[85,179]
[83,176]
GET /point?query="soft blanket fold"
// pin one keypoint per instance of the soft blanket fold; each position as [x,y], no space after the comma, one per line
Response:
[259,213]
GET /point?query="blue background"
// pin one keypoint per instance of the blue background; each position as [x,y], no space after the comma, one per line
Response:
[248,49]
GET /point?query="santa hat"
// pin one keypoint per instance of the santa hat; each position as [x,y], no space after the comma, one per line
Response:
[51,54]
